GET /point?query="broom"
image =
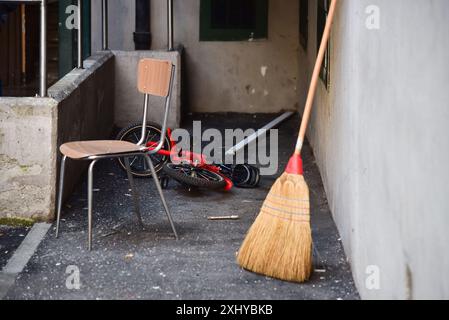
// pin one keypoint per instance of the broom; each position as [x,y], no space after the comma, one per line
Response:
[279,243]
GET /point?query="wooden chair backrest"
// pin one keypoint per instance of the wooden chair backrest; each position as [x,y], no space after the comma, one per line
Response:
[154,77]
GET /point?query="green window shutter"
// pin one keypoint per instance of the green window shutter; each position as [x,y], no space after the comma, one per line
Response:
[66,41]
[68,37]
[86,28]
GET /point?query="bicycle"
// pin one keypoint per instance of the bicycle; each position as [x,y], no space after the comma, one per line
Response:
[186,167]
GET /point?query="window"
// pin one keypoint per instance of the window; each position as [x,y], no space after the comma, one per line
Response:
[233,20]
[304,23]
[323,8]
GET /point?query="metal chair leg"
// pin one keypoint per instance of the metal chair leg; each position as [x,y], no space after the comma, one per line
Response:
[61,191]
[90,202]
[134,192]
[161,194]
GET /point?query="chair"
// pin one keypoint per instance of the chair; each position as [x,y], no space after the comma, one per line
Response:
[155,77]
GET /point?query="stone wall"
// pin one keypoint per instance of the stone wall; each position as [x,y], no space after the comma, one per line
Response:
[28,131]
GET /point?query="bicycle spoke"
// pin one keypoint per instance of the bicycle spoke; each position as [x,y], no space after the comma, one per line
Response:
[151,139]
[137,138]
[204,176]
[154,159]
[134,160]
[148,134]
[210,176]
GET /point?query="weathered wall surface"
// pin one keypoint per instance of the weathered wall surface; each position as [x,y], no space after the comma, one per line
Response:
[129,101]
[258,76]
[80,107]
[27,158]
[380,135]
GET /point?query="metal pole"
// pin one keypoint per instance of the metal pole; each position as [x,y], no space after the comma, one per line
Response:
[104,11]
[43,51]
[170,24]
[80,34]
[90,196]
[61,193]
[241,145]
[161,195]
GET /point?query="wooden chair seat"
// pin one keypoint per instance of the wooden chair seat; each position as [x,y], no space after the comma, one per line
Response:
[85,149]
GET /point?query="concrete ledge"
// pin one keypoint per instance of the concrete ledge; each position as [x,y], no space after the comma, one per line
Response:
[129,101]
[80,107]
[71,81]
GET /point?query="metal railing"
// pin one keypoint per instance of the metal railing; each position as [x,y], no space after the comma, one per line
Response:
[43,37]
[43,51]
[104,35]
[80,35]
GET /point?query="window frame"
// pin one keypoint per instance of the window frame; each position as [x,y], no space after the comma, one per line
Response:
[304,28]
[207,33]
[322,11]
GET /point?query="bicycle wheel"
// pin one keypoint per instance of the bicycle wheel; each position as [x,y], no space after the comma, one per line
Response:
[193,176]
[254,178]
[241,175]
[139,167]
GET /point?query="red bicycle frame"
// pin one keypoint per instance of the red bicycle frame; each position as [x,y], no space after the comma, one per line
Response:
[190,158]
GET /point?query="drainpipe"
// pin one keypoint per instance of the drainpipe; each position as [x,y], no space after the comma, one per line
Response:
[142,35]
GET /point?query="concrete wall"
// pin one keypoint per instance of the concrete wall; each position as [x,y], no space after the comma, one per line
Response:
[27,157]
[129,101]
[381,142]
[223,76]
[80,107]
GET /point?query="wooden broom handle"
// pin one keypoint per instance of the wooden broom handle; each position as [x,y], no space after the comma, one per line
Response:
[315,77]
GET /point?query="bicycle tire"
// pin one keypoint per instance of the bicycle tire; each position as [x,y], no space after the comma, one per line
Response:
[158,160]
[255,178]
[241,175]
[176,172]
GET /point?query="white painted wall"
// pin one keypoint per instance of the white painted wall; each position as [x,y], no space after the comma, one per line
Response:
[128,100]
[226,76]
[220,76]
[381,140]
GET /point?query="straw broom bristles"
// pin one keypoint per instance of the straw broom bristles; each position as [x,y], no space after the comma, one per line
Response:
[279,244]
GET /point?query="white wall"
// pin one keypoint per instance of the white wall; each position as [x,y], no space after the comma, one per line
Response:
[221,76]
[226,76]
[381,140]
[129,101]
